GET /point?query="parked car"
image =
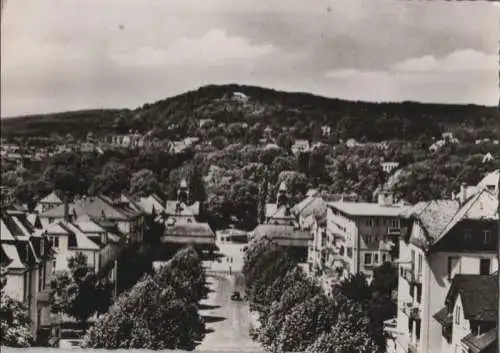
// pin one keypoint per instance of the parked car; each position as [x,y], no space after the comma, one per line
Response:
[236,296]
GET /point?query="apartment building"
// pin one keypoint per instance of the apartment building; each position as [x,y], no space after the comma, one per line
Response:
[359,236]
[469,317]
[27,257]
[445,238]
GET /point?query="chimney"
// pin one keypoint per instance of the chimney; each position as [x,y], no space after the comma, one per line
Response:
[463,193]
[385,198]
[66,208]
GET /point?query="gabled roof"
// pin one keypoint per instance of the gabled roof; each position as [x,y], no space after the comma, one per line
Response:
[434,216]
[77,239]
[482,206]
[313,205]
[86,225]
[51,198]
[96,208]
[479,296]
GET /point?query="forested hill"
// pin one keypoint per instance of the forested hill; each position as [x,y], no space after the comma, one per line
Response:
[237,103]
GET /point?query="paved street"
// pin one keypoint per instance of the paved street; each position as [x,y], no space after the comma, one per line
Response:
[229,320]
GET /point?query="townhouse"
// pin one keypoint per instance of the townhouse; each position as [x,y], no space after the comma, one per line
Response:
[122,212]
[444,238]
[359,236]
[469,317]
[27,258]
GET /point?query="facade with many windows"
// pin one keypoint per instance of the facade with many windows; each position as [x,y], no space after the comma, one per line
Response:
[446,238]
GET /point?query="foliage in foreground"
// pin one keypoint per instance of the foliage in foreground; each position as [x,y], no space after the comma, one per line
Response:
[294,313]
[14,322]
[159,312]
[79,292]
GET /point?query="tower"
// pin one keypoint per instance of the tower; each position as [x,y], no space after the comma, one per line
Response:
[183,192]
[282,197]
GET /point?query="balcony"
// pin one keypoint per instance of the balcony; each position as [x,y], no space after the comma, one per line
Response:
[412,311]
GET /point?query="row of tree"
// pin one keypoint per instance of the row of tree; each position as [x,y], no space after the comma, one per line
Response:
[159,312]
[295,314]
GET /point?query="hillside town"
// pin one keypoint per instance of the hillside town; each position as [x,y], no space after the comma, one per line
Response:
[250,176]
[443,252]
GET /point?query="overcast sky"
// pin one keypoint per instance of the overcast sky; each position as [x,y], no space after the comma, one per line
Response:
[60,55]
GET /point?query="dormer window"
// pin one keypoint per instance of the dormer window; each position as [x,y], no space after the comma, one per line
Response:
[486,236]
[467,235]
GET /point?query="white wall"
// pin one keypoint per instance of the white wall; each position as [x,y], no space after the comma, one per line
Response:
[14,287]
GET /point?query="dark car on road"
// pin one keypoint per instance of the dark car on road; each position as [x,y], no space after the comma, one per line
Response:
[236,296]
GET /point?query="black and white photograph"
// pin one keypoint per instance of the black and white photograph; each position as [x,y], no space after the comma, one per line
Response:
[250,176]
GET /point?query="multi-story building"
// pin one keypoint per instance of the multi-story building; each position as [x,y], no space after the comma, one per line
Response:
[26,256]
[359,236]
[128,217]
[469,318]
[445,238]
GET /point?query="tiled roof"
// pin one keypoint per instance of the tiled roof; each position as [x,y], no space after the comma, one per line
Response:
[77,239]
[96,208]
[478,344]
[443,317]
[434,215]
[479,295]
[482,206]
[312,205]
[367,209]
[189,229]
[281,231]
[86,225]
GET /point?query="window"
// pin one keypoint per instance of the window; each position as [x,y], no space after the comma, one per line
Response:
[395,223]
[457,315]
[420,260]
[375,258]
[486,236]
[55,241]
[369,222]
[349,252]
[467,235]
[484,266]
[453,266]
[368,259]
[384,258]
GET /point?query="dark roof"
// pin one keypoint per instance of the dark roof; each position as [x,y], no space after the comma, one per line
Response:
[100,207]
[281,231]
[478,344]
[479,295]
[443,317]
[189,229]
